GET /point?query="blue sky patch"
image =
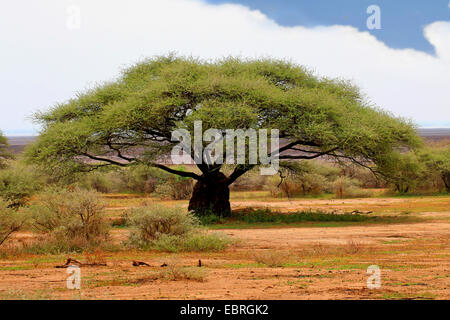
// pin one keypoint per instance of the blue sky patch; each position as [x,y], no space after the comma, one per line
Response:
[402,21]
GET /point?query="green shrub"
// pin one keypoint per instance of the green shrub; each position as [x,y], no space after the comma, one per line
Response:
[175,188]
[4,153]
[18,183]
[71,215]
[406,172]
[153,221]
[198,241]
[210,218]
[365,177]
[138,179]
[143,179]
[104,182]
[302,178]
[167,229]
[205,242]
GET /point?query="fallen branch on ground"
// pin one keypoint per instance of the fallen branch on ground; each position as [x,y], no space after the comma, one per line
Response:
[74,262]
[140,264]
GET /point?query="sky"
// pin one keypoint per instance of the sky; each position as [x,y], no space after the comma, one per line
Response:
[52,49]
[402,21]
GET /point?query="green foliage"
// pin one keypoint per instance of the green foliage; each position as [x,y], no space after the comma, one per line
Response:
[260,215]
[175,189]
[101,181]
[167,229]
[251,181]
[268,216]
[71,216]
[137,179]
[11,221]
[144,179]
[205,242]
[302,178]
[366,178]
[153,221]
[199,241]
[19,182]
[437,160]
[314,178]
[404,171]
[4,154]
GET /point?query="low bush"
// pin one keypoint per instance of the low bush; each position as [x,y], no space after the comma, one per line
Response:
[175,188]
[304,178]
[143,179]
[71,216]
[18,183]
[193,242]
[153,221]
[104,182]
[137,179]
[167,229]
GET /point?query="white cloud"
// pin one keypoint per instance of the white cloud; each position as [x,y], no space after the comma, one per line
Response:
[44,62]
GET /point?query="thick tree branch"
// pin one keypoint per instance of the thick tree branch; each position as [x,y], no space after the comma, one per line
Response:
[177,172]
[117,163]
[239,171]
[293,144]
[358,162]
[317,155]
[119,152]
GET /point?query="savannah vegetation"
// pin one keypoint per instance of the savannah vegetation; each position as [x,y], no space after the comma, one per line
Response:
[94,181]
[111,140]
[130,121]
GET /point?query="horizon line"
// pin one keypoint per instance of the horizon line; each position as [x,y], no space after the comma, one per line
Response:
[17,133]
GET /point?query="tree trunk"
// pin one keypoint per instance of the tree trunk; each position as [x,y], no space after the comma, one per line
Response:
[211,195]
[446,179]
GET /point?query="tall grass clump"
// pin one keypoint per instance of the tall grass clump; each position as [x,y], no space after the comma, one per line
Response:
[156,227]
[71,218]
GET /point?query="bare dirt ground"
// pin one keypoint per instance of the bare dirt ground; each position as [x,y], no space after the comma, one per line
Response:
[274,263]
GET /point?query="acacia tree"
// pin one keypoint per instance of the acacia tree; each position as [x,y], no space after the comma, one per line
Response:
[130,120]
[404,171]
[4,154]
[438,161]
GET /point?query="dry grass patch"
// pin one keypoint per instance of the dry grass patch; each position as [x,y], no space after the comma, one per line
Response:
[272,259]
[176,273]
[354,247]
